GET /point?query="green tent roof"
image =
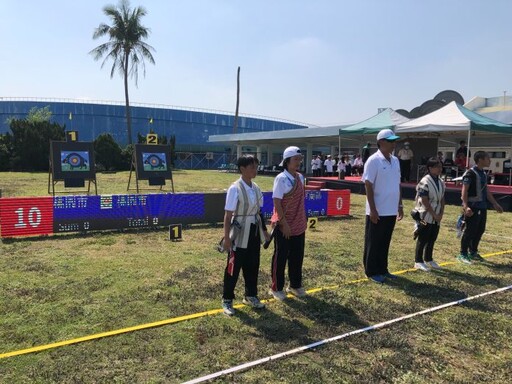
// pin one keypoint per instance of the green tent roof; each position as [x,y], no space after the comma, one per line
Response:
[385,119]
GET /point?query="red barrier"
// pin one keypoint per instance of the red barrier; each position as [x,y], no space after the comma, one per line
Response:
[26,216]
[338,202]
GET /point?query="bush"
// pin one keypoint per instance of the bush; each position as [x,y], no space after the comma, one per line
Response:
[29,143]
[5,155]
[108,154]
[127,154]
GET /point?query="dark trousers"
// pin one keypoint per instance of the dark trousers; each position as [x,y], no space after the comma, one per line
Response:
[427,236]
[287,250]
[475,228]
[405,169]
[377,238]
[248,260]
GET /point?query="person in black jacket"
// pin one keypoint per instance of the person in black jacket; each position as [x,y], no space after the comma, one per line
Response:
[475,195]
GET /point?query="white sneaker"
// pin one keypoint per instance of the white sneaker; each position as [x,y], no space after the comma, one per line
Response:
[227,307]
[422,266]
[278,295]
[434,265]
[297,292]
[253,301]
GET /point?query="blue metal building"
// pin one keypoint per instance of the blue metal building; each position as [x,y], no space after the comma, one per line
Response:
[192,127]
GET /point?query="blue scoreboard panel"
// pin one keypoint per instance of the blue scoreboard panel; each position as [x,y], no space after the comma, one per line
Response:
[61,214]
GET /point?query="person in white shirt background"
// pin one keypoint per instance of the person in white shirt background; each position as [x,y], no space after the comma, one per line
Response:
[405,155]
[329,165]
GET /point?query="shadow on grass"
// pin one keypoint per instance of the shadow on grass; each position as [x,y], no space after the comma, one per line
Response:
[283,328]
[468,277]
[436,294]
[325,312]
[275,328]
[504,268]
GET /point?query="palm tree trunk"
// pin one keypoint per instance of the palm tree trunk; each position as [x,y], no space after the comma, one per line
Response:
[235,124]
[127,100]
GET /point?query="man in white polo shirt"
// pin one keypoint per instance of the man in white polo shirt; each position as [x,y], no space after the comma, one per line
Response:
[381,178]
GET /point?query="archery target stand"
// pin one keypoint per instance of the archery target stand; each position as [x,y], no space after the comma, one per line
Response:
[151,162]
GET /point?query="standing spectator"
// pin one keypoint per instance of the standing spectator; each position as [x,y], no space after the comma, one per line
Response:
[348,166]
[475,195]
[463,149]
[313,166]
[440,157]
[244,230]
[357,167]
[318,166]
[342,168]
[321,170]
[366,152]
[430,206]
[460,162]
[289,222]
[405,155]
[329,164]
[448,166]
[383,206]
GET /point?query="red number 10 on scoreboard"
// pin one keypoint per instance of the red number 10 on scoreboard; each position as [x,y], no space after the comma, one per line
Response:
[26,216]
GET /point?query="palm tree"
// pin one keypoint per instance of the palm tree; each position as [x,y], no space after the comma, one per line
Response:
[125,47]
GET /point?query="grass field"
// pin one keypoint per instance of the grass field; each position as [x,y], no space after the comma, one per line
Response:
[69,286]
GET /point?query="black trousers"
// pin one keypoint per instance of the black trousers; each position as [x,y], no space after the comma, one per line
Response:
[475,228]
[287,250]
[405,169]
[377,238]
[427,236]
[248,260]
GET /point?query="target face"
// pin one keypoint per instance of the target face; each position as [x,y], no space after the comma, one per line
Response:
[154,161]
[75,161]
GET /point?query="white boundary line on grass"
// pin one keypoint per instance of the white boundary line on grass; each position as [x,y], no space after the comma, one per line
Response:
[339,337]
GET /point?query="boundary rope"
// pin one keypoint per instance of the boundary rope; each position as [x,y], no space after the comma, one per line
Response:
[191,316]
[339,337]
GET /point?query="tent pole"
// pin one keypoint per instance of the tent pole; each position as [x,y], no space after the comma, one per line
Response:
[339,145]
[469,146]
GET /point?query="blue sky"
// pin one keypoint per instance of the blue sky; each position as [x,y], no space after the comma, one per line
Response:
[322,62]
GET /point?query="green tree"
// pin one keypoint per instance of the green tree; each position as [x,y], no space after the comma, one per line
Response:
[125,47]
[29,143]
[108,153]
[39,115]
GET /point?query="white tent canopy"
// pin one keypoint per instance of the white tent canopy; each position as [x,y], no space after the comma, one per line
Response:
[453,118]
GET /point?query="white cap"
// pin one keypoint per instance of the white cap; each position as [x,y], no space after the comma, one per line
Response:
[387,134]
[290,152]
[406,143]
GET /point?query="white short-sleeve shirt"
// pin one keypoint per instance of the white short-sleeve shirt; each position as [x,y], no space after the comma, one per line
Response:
[283,183]
[329,165]
[384,175]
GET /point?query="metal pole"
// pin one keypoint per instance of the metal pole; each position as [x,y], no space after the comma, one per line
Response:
[469,141]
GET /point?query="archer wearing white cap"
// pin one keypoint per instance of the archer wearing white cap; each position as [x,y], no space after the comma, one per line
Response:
[289,223]
[405,155]
[381,178]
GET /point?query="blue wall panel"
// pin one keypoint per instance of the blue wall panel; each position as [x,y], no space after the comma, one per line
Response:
[191,128]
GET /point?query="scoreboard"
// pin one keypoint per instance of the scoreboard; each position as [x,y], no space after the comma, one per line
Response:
[34,216]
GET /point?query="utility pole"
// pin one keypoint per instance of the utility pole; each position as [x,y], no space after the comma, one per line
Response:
[235,124]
